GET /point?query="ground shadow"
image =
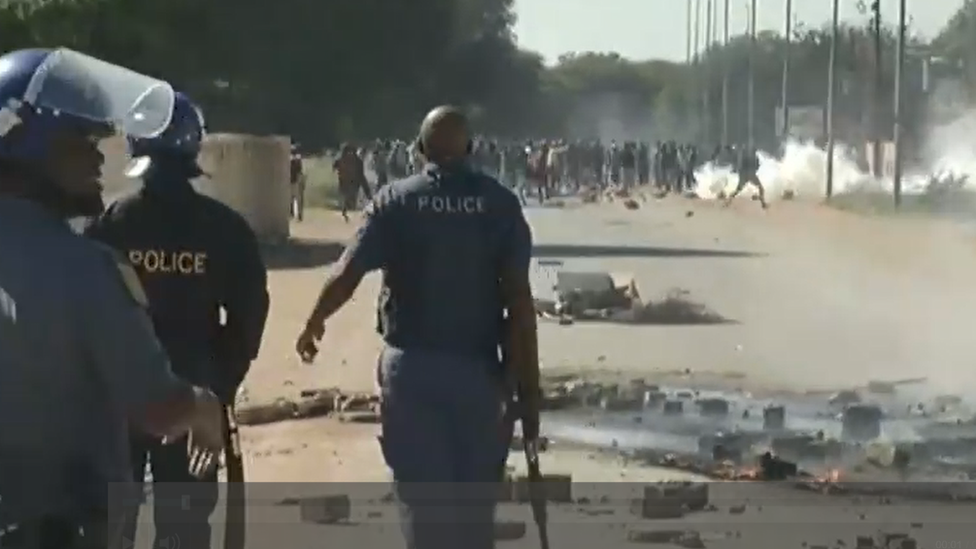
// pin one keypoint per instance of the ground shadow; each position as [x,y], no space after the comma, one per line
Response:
[301,254]
[583,251]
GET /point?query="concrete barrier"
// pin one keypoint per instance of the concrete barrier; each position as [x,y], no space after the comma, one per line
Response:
[251,175]
[248,173]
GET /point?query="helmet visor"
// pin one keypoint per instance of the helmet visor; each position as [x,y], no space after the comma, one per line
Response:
[77,84]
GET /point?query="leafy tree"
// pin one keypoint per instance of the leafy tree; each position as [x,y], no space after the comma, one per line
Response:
[355,69]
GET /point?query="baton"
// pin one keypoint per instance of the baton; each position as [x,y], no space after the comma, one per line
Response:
[236,522]
[537,495]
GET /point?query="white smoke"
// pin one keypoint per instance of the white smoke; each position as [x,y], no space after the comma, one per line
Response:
[948,154]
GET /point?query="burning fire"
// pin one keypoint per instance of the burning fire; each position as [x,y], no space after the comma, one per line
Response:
[730,471]
[830,477]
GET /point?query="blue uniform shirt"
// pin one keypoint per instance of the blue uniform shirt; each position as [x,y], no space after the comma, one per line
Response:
[77,358]
[442,237]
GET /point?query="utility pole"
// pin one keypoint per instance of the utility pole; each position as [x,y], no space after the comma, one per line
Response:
[725,77]
[706,65]
[831,91]
[899,70]
[876,154]
[688,110]
[788,41]
[715,35]
[751,110]
[696,69]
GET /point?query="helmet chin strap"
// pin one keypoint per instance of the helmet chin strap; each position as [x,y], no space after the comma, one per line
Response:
[171,171]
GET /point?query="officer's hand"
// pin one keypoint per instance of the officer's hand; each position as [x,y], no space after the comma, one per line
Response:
[307,342]
[207,427]
[202,459]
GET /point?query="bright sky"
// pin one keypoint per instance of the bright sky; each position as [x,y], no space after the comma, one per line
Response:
[642,29]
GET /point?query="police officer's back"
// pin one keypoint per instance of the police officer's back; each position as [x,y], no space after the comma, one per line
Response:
[79,363]
[454,247]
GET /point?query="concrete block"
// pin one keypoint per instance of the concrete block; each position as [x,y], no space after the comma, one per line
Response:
[861,422]
[654,398]
[619,403]
[672,499]
[673,408]
[774,418]
[713,407]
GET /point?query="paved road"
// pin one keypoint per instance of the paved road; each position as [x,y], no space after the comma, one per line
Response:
[818,297]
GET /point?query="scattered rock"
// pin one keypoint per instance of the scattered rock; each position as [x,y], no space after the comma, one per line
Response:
[368,416]
[671,500]
[311,403]
[326,510]
[654,536]
[556,488]
[272,412]
[737,509]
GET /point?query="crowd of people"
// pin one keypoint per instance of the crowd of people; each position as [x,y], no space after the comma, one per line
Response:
[543,168]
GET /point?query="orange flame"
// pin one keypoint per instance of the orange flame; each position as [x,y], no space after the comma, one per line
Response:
[830,477]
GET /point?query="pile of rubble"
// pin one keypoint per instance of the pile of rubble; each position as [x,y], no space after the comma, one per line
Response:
[588,296]
[858,439]
[353,407]
[614,297]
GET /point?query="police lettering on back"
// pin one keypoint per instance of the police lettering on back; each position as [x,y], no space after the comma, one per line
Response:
[180,262]
[451,204]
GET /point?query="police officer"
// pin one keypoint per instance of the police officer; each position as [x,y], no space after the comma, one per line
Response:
[196,258]
[454,248]
[79,362]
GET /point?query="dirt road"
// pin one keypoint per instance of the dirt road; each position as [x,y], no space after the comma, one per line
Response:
[818,297]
